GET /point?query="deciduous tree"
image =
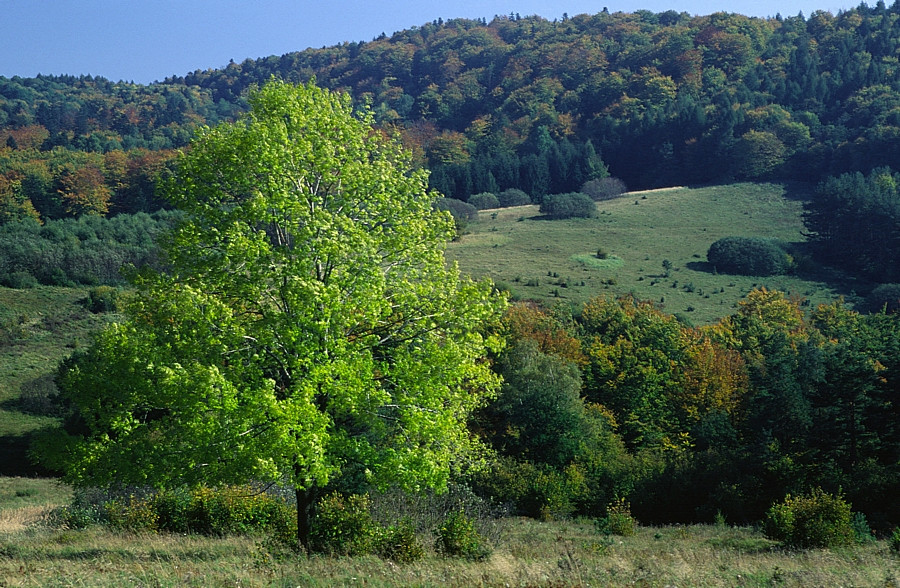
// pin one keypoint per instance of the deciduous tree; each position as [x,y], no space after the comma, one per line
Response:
[309,325]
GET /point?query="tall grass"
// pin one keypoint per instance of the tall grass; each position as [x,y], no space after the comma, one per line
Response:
[532,553]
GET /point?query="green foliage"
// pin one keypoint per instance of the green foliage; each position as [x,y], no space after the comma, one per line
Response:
[228,510]
[133,514]
[853,221]
[604,188]
[513,197]
[309,320]
[103,299]
[90,250]
[571,205]
[751,256]
[884,297]
[457,536]
[817,519]
[344,526]
[484,201]
[894,540]
[618,519]
[400,543]
[19,280]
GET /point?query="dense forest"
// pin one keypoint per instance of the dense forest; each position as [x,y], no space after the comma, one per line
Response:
[620,400]
[654,99]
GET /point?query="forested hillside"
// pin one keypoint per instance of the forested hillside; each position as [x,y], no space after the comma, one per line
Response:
[665,98]
[655,99]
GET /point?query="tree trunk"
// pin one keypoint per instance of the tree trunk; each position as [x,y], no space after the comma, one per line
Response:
[305,503]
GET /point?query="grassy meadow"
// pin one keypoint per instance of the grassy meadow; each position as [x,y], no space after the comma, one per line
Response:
[529,553]
[557,261]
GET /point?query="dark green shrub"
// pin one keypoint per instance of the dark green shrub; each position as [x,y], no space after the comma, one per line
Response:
[103,299]
[817,519]
[894,540]
[513,197]
[618,519]
[457,536]
[484,201]
[604,188]
[19,280]
[463,213]
[749,256]
[40,397]
[343,526]
[399,543]
[571,205]
[884,296]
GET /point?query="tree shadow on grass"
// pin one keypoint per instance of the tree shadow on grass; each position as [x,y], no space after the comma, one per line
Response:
[15,459]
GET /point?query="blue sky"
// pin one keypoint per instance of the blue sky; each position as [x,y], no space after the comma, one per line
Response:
[147,40]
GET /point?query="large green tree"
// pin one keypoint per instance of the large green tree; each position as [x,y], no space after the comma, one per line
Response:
[309,325]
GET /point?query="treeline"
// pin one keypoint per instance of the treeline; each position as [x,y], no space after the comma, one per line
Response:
[625,402]
[854,221]
[89,250]
[664,98]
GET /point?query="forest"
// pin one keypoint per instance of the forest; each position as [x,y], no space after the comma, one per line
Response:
[653,99]
[613,407]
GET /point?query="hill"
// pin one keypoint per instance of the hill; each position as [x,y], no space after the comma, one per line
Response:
[557,261]
[664,98]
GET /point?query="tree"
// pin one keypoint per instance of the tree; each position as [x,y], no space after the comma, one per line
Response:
[309,327]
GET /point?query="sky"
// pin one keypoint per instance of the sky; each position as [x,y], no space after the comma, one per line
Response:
[148,40]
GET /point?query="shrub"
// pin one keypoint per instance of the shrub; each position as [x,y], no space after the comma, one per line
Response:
[236,510]
[618,519]
[817,519]
[513,197]
[458,537]
[102,299]
[484,201]
[750,256]
[884,296]
[343,526]
[571,205]
[20,280]
[463,212]
[894,540]
[132,514]
[399,543]
[604,188]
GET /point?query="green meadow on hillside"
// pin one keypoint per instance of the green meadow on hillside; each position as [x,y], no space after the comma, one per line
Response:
[38,328]
[557,260]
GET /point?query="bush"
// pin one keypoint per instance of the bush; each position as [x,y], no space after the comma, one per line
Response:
[484,201]
[571,205]
[463,212]
[132,514]
[618,519]
[894,540]
[20,280]
[102,299]
[236,510]
[604,188]
[230,510]
[884,296]
[817,519]
[749,256]
[399,543]
[513,197]
[343,526]
[458,537]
